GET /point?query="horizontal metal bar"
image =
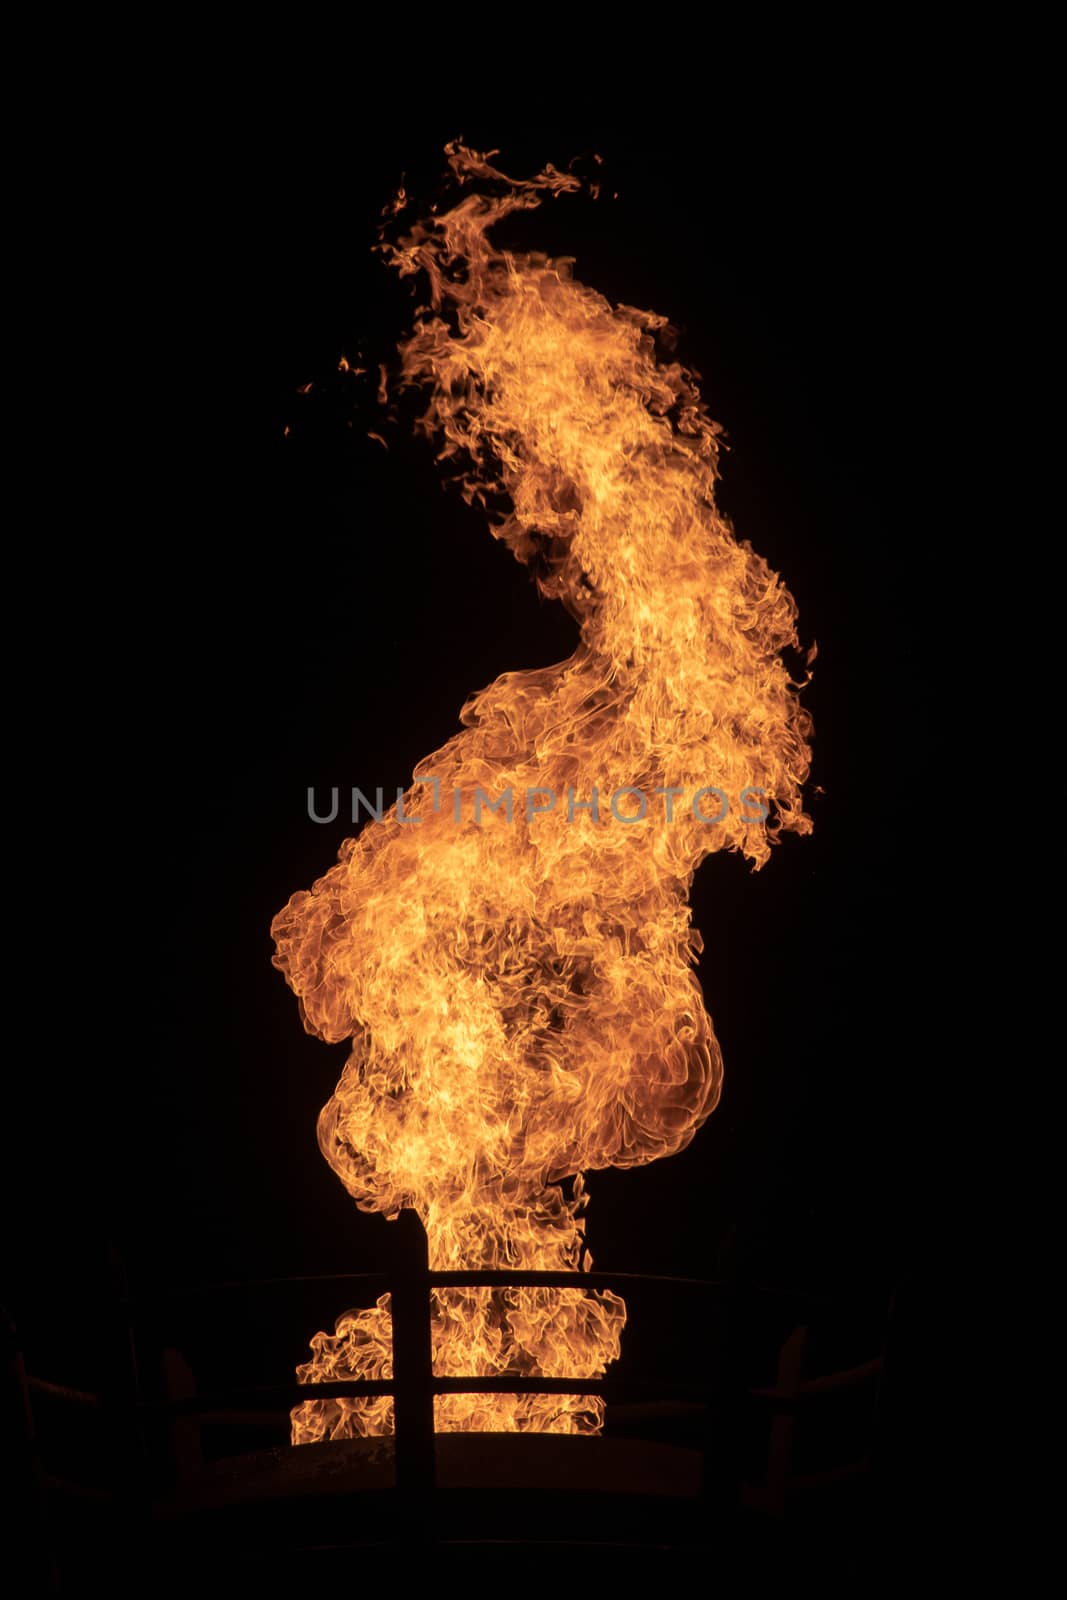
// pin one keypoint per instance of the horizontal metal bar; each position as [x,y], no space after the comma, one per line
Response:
[607,1388]
[62,1391]
[286,1395]
[849,1378]
[268,1395]
[236,1418]
[560,1280]
[830,1383]
[383,1282]
[372,1281]
[79,1491]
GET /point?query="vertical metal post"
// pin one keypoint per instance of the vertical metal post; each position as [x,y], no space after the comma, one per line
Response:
[791,1360]
[413,1360]
[186,1449]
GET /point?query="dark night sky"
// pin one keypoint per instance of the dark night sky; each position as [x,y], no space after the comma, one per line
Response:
[312,609]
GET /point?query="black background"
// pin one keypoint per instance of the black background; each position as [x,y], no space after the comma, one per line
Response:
[309,608]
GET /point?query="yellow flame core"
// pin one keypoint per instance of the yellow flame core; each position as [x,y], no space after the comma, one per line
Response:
[520,993]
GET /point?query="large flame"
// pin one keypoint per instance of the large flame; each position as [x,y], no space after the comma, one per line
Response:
[519,991]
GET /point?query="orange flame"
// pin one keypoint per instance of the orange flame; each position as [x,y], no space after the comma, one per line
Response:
[519,991]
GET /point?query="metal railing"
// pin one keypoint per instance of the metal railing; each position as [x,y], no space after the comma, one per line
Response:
[714,1395]
[414,1384]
